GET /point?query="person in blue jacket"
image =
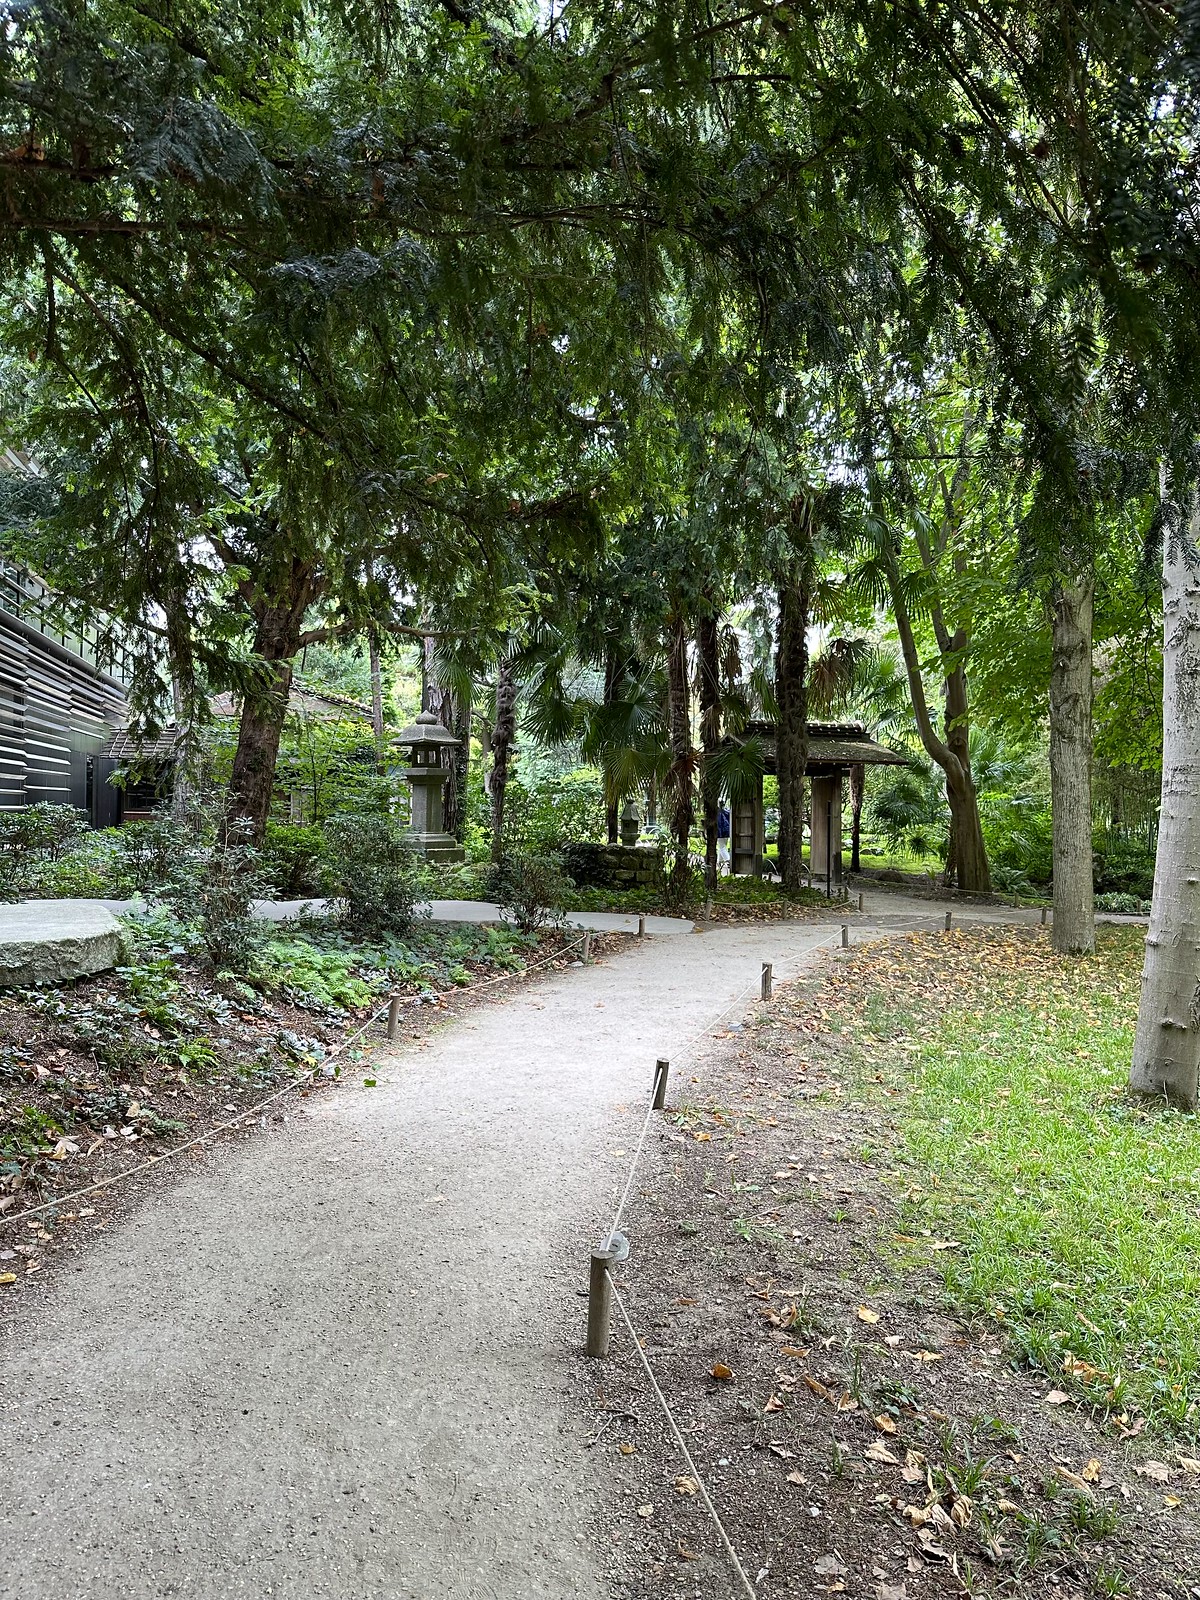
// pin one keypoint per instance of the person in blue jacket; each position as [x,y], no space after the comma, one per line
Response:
[724,829]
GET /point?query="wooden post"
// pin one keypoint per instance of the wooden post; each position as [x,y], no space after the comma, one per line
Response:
[860,900]
[845,936]
[599,1304]
[708,909]
[587,948]
[949,915]
[393,1016]
[661,1068]
[1043,916]
[766,980]
[641,927]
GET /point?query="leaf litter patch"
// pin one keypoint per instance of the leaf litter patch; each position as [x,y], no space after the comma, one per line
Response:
[858,1434]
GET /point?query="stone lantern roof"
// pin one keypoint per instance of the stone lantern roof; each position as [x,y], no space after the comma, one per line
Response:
[427,731]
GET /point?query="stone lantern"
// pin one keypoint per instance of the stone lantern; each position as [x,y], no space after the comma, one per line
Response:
[631,822]
[427,740]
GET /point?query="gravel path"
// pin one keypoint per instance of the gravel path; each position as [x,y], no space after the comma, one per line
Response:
[333,1361]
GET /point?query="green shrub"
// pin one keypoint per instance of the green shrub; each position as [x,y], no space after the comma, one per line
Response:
[32,837]
[292,858]
[371,872]
[1124,866]
[1019,833]
[530,888]
[1130,905]
[158,853]
[215,888]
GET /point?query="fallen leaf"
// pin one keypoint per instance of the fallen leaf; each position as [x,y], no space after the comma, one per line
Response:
[720,1371]
[796,1477]
[1076,1482]
[626,1449]
[878,1451]
[686,1486]
[8,1277]
[830,1566]
[892,1591]
[1057,1397]
[816,1387]
[1091,1472]
[774,1404]
[865,1314]
[945,1244]
[703,1138]
[1158,1470]
[885,1424]
[645,1511]
[926,1355]
[1188,1463]
[793,1350]
[1172,1500]
[684,1554]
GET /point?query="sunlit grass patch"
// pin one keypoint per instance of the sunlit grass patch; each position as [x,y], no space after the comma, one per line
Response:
[1075,1208]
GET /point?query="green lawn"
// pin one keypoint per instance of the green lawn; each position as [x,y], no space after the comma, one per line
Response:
[1077,1209]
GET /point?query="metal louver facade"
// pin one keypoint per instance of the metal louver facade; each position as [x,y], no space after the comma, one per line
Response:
[57,707]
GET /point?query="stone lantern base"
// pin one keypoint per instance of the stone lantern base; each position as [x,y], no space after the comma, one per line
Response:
[435,846]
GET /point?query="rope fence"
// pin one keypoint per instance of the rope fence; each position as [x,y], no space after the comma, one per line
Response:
[602,1287]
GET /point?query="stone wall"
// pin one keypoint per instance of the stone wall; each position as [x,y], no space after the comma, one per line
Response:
[614,866]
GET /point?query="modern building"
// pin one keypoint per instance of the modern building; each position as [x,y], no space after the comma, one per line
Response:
[60,700]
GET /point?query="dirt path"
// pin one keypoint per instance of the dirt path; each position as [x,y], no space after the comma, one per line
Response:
[332,1363]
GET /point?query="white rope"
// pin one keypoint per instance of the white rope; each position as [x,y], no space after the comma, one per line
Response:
[253,1111]
[679,1440]
[690,1040]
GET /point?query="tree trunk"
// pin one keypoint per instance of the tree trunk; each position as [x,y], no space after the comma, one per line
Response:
[791,736]
[858,784]
[969,850]
[376,701]
[679,780]
[612,825]
[1166,1047]
[709,672]
[968,853]
[1071,766]
[181,776]
[277,635]
[503,734]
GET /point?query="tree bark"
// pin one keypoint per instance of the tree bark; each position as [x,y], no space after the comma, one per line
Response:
[858,784]
[1166,1048]
[612,826]
[1074,931]
[376,701]
[709,672]
[968,852]
[679,779]
[503,734]
[791,735]
[279,626]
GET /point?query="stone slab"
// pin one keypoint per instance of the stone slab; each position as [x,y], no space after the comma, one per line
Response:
[57,941]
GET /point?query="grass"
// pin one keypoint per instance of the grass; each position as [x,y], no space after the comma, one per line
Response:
[1076,1208]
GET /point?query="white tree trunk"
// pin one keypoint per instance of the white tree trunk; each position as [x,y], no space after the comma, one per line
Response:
[1071,766]
[1166,1049]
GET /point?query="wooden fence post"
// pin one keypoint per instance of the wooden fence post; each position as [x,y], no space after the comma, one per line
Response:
[599,1304]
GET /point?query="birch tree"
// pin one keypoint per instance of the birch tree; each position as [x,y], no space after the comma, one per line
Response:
[1166,1050]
